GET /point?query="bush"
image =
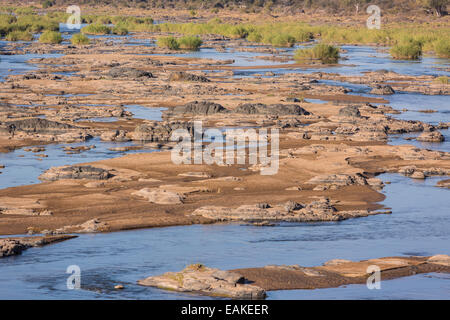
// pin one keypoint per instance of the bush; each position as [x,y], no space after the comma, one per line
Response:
[79,38]
[442,48]
[120,30]
[443,80]
[19,36]
[168,42]
[47,4]
[50,37]
[254,36]
[407,50]
[190,42]
[96,29]
[323,52]
[282,40]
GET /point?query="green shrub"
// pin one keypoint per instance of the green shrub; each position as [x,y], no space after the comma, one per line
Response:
[254,36]
[190,42]
[96,29]
[79,38]
[168,42]
[19,36]
[282,40]
[120,30]
[323,52]
[47,4]
[443,80]
[442,48]
[50,37]
[407,50]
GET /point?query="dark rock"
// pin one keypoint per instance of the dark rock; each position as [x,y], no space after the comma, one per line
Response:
[382,89]
[350,111]
[274,109]
[184,76]
[200,108]
[124,72]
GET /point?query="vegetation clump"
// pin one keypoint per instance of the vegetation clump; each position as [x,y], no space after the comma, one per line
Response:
[407,50]
[50,37]
[168,42]
[190,43]
[442,48]
[79,39]
[96,29]
[322,52]
[19,36]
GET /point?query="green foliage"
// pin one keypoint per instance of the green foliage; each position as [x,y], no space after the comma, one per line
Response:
[409,49]
[190,43]
[47,4]
[168,42]
[442,48]
[79,39]
[19,36]
[120,30]
[50,37]
[443,80]
[322,52]
[96,29]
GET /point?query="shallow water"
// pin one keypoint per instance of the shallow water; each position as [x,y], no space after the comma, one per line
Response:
[23,167]
[40,272]
[419,224]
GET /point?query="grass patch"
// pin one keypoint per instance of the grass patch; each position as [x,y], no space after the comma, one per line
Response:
[168,42]
[442,48]
[190,43]
[50,37]
[19,36]
[79,39]
[120,30]
[407,50]
[322,52]
[96,29]
[443,80]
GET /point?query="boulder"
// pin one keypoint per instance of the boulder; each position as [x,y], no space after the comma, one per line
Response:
[160,196]
[75,172]
[184,76]
[350,111]
[200,108]
[382,89]
[126,72]
[431,136]
[200,279]
[274,109]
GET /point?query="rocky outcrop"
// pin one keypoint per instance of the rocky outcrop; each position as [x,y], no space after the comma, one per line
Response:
[15,246]
[184,76]
[200,279]
[382,89]
[431,136]
[199,108]
[115,135]
[319,210]
[160,196]
[90,226]
[350,111]
[274,109]
[75,172]
[338,179]
[159,131]
[129,73]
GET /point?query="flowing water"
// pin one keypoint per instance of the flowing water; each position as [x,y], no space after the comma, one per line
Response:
[419,224]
